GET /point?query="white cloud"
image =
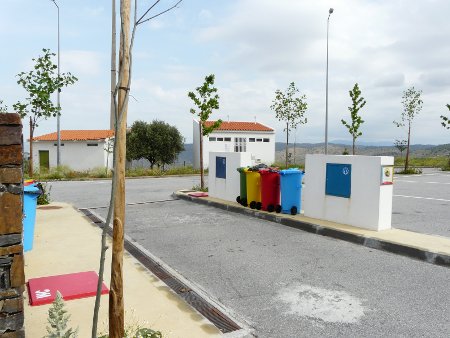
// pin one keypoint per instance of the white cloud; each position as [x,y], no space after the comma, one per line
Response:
[82,62]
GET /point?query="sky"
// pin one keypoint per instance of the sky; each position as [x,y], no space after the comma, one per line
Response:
[253,47]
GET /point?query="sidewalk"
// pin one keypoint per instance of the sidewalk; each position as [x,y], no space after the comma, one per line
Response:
[66,242]
[430,248]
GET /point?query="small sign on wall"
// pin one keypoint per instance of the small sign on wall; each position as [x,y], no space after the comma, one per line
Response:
[221,167]
[387,174]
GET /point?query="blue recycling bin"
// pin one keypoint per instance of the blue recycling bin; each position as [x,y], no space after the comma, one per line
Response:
[291,190]
[30,195]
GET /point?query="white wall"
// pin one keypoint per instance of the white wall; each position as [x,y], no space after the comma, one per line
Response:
[227,189]
[74,154]
[370,203]
[261,152]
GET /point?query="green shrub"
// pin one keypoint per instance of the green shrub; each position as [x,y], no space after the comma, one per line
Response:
[410,171]
[58,319]
[44,198]
[199,188]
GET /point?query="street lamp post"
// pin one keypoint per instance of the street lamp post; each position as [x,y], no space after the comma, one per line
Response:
[58,130]
[330,11]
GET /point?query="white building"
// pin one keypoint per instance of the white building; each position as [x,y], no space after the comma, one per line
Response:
[252,137]
[80,149]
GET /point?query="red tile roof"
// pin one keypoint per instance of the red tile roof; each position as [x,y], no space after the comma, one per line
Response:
[77,135]
[240,126]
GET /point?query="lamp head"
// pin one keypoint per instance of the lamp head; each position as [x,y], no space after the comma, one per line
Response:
[331,10]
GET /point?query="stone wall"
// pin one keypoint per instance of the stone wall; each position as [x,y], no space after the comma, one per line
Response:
[12,277]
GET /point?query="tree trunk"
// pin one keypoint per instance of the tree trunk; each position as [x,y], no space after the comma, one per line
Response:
[202,180]
[287,143]
[353,146]
[113,65]
[407,148]
[116,306]
[30,162]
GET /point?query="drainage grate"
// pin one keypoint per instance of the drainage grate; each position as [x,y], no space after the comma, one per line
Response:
[215,316]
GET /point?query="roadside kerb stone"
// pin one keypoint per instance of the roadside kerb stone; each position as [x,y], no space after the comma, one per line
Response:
[288,220]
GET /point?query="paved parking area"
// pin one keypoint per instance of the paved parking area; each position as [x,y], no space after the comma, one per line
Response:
[289,283]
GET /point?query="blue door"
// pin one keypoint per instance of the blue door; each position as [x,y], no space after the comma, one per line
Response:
[338,180]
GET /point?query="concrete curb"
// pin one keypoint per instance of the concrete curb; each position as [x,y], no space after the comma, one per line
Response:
[374,243]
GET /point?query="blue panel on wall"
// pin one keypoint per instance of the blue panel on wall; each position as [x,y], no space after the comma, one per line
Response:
[338,180]
[221,167]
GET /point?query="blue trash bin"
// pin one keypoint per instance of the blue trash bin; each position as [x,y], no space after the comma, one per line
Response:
[291,190]
[30,196]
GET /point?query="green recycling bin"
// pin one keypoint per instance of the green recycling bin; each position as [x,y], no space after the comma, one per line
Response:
[242,198]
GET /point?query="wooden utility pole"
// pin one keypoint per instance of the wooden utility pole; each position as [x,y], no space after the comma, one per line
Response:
[116,306]
[112,118]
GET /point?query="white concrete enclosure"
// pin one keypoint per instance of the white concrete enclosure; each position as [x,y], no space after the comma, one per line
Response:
[80,149]
[223,178]
[247,137]
[352,190]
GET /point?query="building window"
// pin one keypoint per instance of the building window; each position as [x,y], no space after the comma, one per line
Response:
[259,140]
[252,139]
[212,138]
[240,144]
[56,144]
[266,140]
[227,139]
[220,139]
[92,144]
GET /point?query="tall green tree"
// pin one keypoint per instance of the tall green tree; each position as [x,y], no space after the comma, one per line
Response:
[358,102]
[446,120]
[40,83]
[206,100]
[412,105]
[157,142]
[290,109]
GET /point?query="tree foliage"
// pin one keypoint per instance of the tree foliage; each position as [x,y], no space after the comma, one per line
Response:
[400,145]
[446,120]
[3,108]
[358,102]
[40,83]
[290,109]
[157,142]
[412,105]
[206,100]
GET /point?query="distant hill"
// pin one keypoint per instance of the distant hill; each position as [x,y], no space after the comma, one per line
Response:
[417,150]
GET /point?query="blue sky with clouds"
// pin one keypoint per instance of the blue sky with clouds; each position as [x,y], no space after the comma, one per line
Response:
[254,47]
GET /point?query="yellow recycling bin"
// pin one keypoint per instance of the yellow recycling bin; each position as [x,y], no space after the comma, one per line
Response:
[253,188]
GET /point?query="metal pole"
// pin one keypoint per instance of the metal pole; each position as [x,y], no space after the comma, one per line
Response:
[58,129]
[326,105]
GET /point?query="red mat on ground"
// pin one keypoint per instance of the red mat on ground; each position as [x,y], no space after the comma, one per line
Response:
[198,194]
[71,286]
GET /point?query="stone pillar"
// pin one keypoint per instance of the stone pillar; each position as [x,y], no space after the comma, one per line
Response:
[12,277]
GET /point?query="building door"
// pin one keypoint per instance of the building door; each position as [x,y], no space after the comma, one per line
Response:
[44,160]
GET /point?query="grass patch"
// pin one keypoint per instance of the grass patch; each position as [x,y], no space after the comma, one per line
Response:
[430,162]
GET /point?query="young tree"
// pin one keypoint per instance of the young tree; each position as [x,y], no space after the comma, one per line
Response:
[358,102]
[290,109]
[412,105]
[40,83]
[206,101]
[446,120]
[116,210]
[400,145]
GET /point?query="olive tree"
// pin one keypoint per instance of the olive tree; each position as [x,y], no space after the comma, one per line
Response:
[290,109]
[358,102]
[206,100]
[412,105]
[40,83]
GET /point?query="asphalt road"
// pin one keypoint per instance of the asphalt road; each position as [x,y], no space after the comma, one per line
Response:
[286,282]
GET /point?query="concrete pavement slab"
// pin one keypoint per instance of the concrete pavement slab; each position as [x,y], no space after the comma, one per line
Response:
[65,241]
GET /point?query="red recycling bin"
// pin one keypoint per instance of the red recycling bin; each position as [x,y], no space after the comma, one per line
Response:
[270,190]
